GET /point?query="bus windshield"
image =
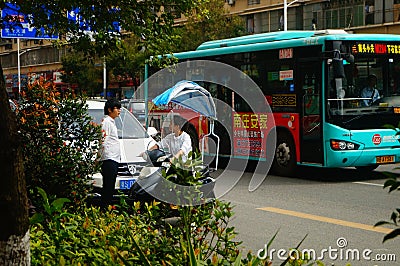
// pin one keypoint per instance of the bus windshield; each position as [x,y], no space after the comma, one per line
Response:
[363,88]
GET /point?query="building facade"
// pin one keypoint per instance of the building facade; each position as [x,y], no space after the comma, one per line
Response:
[358,16]
[40,58]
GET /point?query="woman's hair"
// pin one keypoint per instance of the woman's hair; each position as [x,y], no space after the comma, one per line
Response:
[179,121]
[191,130]
[111,103]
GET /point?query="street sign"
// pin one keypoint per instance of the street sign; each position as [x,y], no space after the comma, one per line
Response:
[84,25]
[19,26]
[74,16]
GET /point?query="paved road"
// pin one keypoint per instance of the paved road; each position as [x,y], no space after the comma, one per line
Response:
[334,208]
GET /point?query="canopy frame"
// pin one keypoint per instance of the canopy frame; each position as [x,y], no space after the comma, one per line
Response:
[194,97]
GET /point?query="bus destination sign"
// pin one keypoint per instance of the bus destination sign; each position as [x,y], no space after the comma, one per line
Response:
[375,48]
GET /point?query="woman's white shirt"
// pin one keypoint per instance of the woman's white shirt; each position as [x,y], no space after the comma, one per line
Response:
[174,144]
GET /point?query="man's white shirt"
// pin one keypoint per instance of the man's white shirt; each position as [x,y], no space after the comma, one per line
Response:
[110,147]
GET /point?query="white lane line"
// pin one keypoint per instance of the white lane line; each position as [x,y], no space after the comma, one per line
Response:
[369,184]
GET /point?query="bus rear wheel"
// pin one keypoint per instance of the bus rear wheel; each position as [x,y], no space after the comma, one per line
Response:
[285,156]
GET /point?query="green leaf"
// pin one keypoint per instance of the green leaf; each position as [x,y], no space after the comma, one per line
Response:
[298,245]
[142,256]
[45,204]
[58,204]
[389,126]
[37,218]
[272,239]
[394,217]
[238,260]
[391,235]
[192,257]
[380,223]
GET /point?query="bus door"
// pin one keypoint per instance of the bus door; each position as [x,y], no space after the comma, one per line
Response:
[311,149]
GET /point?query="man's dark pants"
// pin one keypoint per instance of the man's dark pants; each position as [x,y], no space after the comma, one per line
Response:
[109,170]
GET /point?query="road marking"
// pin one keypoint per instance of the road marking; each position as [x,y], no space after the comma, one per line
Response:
[327,220]
[369,184]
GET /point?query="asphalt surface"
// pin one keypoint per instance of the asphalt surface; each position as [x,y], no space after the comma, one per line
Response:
[334,209]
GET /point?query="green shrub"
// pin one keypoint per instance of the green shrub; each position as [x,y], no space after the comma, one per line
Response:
[394,185]
[59,142]
[96,237]
[131,235]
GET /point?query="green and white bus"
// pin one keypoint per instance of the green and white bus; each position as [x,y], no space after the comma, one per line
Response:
[313,82]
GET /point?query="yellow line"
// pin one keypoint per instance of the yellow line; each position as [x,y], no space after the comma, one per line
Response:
[327,220]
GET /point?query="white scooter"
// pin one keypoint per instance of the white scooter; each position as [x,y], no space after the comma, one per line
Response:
[152,183]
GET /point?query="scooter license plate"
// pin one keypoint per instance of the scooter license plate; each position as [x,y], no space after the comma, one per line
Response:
[126,184]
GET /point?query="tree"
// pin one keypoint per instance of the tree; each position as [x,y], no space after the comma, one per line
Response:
[208,21]
[79,70]
[129,59]
[142,18]
[14,224]
[60,143]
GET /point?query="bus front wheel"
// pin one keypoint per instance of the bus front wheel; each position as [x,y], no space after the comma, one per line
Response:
[285,156]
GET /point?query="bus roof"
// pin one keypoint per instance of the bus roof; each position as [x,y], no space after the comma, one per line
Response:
[276,40]
[265,37]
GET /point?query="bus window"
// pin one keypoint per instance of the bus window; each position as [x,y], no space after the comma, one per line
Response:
[366,93]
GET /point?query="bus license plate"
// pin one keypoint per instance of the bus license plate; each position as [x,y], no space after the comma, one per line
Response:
[385,159]
[126,184]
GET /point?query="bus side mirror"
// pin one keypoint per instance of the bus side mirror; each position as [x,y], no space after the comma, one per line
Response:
[338,69]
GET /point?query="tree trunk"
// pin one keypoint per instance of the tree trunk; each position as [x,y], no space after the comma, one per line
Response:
[14,221]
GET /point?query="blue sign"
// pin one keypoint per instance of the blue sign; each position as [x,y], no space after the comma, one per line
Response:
[84,25]
[74,16]
[16,25]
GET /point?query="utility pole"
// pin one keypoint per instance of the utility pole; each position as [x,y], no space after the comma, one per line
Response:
[285,7]
[19,65]
[104,78]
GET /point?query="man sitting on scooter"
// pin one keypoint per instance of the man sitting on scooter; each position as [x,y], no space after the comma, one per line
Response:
[178,143]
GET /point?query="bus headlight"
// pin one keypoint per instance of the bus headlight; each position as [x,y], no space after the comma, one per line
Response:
[340,145]
[350,145]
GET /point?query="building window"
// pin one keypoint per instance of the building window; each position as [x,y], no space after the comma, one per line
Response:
[264,22]
[369,12]
[396,10]
[344,17]
[250,23]
[253,2]
[358,19]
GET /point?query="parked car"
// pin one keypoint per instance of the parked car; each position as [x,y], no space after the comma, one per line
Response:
[137,108]
[134,139]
